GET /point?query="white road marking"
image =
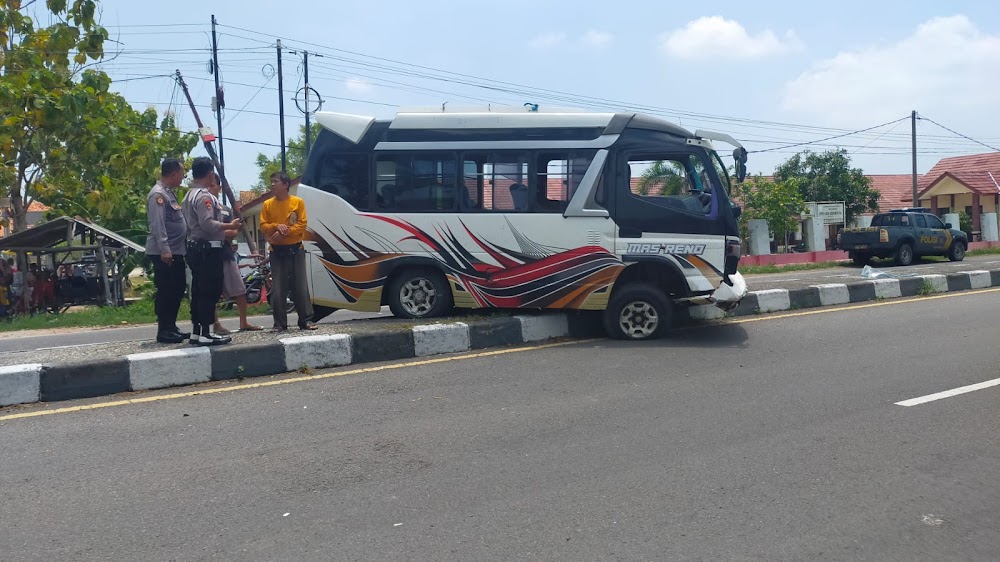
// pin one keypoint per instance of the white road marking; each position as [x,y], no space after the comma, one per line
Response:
[949,393]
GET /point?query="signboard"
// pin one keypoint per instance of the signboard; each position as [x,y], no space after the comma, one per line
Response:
[832,212]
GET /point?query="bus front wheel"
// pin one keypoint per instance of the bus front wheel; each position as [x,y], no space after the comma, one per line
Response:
[419,293]
[638,312]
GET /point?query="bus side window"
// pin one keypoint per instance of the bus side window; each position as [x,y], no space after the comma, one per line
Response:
[503,179]
[346,175]
[559,176]
[416,182]
[469,198]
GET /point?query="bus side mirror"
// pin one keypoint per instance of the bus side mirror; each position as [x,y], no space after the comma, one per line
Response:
[740,156]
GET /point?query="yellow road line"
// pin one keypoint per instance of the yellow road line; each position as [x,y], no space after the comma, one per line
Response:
[200,392]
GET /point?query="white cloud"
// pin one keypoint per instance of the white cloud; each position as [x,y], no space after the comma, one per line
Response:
[946,67]
[358,86]
[547,40]
[715,36]
[595,38]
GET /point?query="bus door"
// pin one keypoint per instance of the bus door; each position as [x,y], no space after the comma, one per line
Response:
[669,205]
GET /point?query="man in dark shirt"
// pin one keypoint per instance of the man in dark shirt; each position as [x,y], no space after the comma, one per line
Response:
[165,247]
[207,233]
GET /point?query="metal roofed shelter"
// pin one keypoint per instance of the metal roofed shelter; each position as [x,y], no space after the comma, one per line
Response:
[94,251]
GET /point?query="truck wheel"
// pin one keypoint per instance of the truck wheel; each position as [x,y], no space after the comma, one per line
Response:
[904,254]
[957,252]
[860,259]
[638,312]
[419,292]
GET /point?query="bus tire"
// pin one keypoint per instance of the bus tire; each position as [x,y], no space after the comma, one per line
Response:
[638,311]
[419,292]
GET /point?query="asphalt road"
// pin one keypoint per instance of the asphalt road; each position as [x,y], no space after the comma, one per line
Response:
[773,438]
[850,273]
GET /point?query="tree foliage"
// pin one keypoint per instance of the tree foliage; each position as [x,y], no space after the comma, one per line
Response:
[64,137]
[662,178]
[780,203]
[828,176]
[295,154]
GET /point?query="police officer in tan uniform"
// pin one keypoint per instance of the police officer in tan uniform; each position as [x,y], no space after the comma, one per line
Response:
[165,247]
[206,234]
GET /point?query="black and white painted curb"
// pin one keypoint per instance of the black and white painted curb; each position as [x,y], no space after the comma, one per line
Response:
[777,300]
[29,383]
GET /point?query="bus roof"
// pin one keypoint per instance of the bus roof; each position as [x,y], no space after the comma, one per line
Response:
[354,127]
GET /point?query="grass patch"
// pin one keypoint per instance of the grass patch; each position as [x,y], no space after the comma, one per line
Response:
[926,288]
[761,269]
[983,252]
[136,313]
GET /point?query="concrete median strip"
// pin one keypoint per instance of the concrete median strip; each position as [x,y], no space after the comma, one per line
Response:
[317,352]
[161,369]
[436,339]
[32,382]
[20,384]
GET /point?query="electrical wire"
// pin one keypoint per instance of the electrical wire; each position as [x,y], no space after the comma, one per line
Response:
[957,133]
[827,138]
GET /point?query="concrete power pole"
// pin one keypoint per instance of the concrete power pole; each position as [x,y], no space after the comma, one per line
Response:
[913,126]
[281,111]
[220,101]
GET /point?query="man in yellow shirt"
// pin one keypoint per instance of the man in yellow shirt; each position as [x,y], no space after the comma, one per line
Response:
[283,220]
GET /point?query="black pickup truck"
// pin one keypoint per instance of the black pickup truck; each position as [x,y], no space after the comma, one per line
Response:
[904,234]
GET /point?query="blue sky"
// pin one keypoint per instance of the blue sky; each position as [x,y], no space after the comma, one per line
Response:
[769,73]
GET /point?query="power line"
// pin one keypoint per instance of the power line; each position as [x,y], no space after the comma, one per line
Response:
[238,112]
[957,133]
[130,26]
[828,138]
[486,83]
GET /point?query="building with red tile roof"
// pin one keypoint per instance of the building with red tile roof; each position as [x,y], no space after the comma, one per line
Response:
[896,190]
[969,184]
[36,213]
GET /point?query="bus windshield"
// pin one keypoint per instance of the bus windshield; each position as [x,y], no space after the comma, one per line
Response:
[720,169]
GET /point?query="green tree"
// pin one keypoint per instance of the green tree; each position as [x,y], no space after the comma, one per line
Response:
[662,178]
[39,97]
[828,176]
[780,203]
[75,145]
[295,154]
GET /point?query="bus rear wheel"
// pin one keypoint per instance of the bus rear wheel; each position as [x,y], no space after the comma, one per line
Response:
[419,293]
[638,312]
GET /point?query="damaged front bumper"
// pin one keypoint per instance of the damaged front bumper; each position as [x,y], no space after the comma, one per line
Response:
[728,297]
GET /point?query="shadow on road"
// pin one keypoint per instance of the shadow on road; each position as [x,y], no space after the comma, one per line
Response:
[685,334]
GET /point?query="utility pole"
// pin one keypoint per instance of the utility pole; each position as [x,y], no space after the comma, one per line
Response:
[307,90]
[210,148]
[913,125]
[305,70]
[281,111]
[219,100]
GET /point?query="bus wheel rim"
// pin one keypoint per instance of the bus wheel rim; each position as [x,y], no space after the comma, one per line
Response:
[639,319]
[418,296]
